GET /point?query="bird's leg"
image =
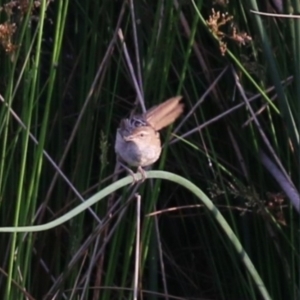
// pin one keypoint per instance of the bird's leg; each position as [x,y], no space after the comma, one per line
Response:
[135,179]
[143,173]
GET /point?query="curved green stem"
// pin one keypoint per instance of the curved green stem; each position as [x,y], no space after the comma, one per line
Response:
[162,175]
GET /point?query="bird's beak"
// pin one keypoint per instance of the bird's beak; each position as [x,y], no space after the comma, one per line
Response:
[127,138]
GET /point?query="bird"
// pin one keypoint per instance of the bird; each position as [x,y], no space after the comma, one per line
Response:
[138,142]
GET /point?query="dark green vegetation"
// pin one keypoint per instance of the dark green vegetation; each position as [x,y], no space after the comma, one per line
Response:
[66,79]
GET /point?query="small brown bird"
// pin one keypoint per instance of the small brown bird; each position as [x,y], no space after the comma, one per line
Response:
[138,142]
